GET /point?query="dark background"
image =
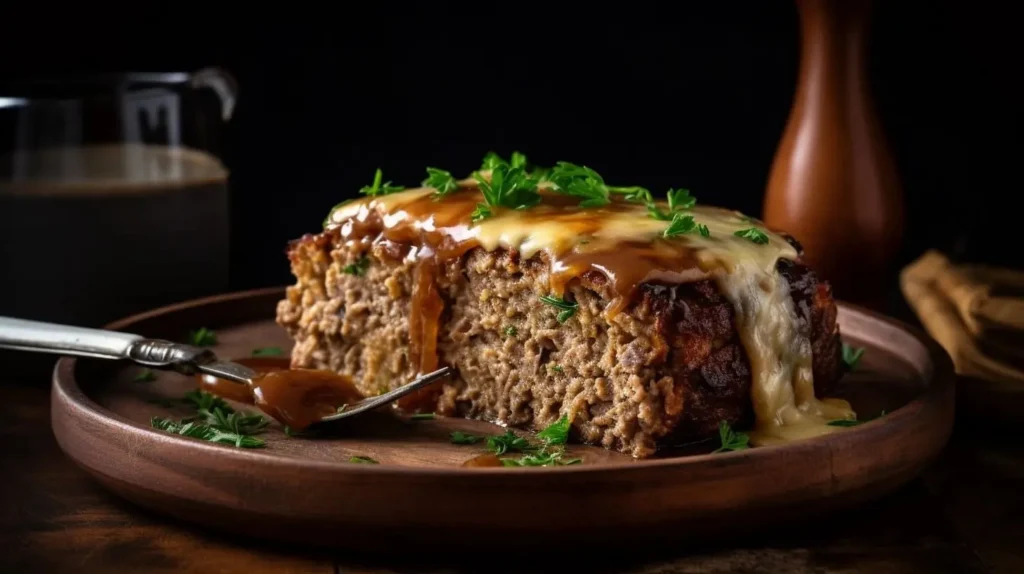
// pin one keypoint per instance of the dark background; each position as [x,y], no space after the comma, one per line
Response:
[691,94]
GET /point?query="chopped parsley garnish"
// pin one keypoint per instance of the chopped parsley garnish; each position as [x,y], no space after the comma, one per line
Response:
[678,200]
[145,376]
[442,181]
[851,356]
[459,437]
[511,331]
[362,460]
[358,268]
[268,352]
[215,421]
[555,368]
[580,181]
[557,432]
[680,224]
[206,432]
[542,458]
[703,230]
[422,417]
[509,187]
[500,444]
[378,187]
[493,160]
[753,234]
[566,309]
[730,439]
[549,452]
[202,337]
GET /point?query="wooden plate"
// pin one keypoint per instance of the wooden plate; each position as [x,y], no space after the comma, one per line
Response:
[303,489]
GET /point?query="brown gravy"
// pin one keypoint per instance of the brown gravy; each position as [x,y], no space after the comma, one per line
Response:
[296,398]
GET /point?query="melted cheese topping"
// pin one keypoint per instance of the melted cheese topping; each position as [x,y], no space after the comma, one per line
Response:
[622,242]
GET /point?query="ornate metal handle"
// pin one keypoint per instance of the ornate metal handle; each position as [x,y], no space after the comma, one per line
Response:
[35,336]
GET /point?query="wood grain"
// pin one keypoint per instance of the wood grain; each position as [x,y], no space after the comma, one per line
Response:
[304,490]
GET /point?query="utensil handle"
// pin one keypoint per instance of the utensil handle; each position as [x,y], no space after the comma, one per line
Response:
[35,336]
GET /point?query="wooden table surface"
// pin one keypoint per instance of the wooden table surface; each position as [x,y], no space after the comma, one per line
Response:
[964,515]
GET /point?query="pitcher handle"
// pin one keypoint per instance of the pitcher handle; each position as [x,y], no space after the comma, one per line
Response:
[223,84]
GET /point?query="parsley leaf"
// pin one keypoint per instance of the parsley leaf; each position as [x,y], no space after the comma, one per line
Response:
[753,234]
[268,352]
[500,444]
[580,181]
[206,432]
[202,337]
[557,432]
[511,331]
[508,187]
[215,421]
[680,225]
[145,376]
[543,458]
[679,199]
[459,437]
[441,180]
[555,368]
[566,309]
[358,268]
[422,417]
[851,356]
[378,188]
[730,439]
[493,160]
[362,460]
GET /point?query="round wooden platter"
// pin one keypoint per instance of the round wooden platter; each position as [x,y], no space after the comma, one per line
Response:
[305,489]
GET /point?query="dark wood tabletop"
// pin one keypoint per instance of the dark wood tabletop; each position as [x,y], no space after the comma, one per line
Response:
[962,515]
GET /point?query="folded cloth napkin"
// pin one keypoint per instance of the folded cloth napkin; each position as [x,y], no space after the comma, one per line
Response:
[976,313]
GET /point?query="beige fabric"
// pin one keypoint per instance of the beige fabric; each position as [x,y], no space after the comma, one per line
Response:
[975,313]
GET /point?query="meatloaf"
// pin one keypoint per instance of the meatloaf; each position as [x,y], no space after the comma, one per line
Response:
[638,347]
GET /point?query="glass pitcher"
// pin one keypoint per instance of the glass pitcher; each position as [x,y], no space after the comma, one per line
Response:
[113,194]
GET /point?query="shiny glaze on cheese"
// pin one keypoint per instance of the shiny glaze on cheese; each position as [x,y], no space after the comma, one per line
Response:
[625,245]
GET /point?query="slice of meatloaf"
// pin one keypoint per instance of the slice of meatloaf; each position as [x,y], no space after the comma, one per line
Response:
[665,371]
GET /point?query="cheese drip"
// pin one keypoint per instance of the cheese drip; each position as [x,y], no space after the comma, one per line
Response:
[622,242]
[779,351]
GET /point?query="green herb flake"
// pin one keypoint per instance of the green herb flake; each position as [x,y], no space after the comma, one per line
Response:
[730,439]
[442,181]
[145,376]
[206,432]
[422,417]
[202,337]
[703,230]
[508,442]
[753,234]
[358,268]
[556,433]
[509,187]
[543,458]
[851,356]
[511,331]
[565,309]
[681,224]
[268,352]
[556,369]
[378,188]
[459,437]
[362,460]
[580,181]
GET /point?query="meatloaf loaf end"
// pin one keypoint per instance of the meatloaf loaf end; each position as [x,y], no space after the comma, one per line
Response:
[666,368]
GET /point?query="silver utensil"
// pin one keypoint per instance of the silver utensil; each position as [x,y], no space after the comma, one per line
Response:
[39,337]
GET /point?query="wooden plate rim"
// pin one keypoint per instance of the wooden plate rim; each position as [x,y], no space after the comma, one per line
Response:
[67,392]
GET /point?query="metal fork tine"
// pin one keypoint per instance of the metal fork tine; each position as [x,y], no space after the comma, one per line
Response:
[390,396]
